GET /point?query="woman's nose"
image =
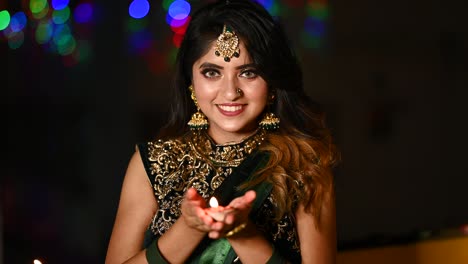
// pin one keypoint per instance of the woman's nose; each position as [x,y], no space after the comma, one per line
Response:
[231,88]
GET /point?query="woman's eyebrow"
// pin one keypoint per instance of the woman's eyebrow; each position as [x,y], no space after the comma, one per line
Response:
[248,65]
[212,65]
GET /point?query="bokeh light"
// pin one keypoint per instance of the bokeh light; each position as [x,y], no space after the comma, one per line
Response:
[166,4]
[18,21]
[315,24]
[176,22]
[59,4]
[4,19]
[37,6]
[15,39]
[314,27]
[317,10]
[61,16]
[83,51]
[140,41]
[44,31]
[63,39]
[83,13]
[41,13]
[179,9]
[66,45]
[179,26]
[138,8]
[177,39]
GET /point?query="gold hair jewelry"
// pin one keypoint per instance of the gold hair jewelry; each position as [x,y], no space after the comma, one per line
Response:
[269,122]
[198,120]
[236,230]
[227,44]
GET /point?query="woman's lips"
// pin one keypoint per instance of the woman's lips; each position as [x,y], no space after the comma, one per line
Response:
[230,110]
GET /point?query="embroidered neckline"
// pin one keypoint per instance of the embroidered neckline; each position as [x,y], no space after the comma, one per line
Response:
[230,154]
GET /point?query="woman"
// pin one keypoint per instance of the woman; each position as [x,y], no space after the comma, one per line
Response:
[236,80]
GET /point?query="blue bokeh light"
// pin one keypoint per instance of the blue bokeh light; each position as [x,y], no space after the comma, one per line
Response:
[83,13]
[176,22]
[315,27]
[18,21]
[268,4]
[138,8]
[59,4]
[179,9]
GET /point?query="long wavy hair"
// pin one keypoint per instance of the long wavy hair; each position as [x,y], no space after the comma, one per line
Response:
[302,152]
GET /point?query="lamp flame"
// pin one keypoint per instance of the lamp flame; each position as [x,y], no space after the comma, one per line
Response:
[36,261]
[213,202]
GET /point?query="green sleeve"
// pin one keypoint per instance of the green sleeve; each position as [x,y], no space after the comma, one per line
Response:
[276,258]
[153,256]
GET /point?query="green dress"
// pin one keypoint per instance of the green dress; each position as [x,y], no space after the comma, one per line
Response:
[194,160]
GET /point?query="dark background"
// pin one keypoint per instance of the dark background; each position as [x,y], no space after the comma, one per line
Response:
[392,76]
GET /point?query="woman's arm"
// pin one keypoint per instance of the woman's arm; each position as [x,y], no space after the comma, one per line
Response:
[318,240]
[137,206]
[249,243]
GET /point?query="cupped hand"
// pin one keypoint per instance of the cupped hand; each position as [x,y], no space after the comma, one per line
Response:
[242,206]
[193,212]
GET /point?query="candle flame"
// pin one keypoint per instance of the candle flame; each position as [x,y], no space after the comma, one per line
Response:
[213,202]
[36,261]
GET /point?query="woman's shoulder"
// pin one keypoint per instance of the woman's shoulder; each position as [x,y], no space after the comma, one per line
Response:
[153,149]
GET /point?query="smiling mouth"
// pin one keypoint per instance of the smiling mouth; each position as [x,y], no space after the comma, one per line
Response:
[230,108]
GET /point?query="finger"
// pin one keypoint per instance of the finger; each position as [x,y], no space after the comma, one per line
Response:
[214,234]
[229,219]
[217,226]
[191,194]
[249,196]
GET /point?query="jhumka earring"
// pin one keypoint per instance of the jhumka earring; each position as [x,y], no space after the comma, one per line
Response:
[198,120]
[270,121]
[227,44]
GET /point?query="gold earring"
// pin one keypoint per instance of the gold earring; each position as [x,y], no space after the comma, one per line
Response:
[270,121]
[198,120]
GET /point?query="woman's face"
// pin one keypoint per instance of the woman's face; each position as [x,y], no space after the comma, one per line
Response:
[232,115]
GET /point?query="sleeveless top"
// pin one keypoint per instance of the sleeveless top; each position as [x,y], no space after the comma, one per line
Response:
[194,160]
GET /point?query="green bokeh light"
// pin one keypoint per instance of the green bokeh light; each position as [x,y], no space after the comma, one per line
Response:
[41,14]
[61,16]
[317,10]
[166,4]
[66,45]
[38,6]
[44,32]
[83,52]
[4,19]
[15,39]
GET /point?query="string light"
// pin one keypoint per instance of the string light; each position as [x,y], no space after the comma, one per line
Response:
[138,8]
[4,19]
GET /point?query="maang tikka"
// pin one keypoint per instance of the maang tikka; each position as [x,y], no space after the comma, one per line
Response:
[227,44]
[198,120]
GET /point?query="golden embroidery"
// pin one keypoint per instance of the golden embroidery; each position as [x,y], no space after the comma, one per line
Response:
[196,161]
[231,154]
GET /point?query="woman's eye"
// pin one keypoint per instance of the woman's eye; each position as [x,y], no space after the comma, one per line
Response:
[249,74]
[210,73]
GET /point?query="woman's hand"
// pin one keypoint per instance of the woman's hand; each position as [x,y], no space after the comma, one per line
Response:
[193,212]
[237,218]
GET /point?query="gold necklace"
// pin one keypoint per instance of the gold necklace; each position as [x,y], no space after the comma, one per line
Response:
[230,154]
